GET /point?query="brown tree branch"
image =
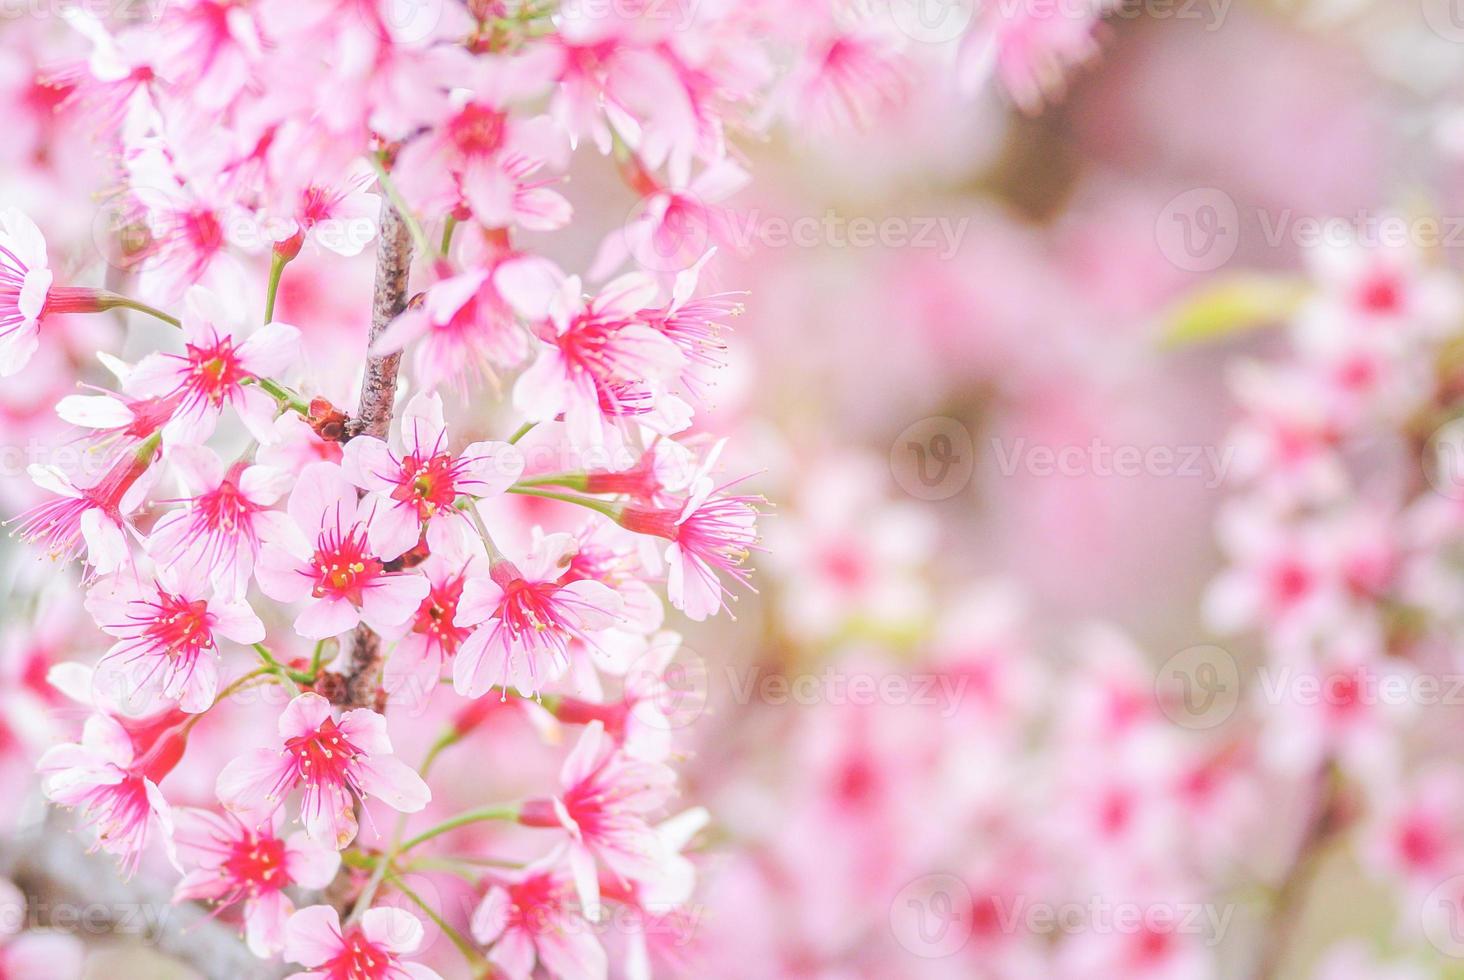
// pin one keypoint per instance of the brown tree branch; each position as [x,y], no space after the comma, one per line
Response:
[69,889]
[362,656]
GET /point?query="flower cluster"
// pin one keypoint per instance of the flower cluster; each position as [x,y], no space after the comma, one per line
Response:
[474,520]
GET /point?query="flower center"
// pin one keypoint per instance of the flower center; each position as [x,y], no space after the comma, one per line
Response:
[180,627]
[477,130]
[427,483]
[214,370]
[323,756]
[257,864]
[343,566]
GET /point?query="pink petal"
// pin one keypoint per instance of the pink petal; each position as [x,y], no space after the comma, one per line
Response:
[246,784]
[313,936]
[394,783]
[327,617]
[391,600]
[396,930]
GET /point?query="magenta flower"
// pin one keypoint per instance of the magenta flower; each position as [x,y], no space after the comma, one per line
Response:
[238,864]
[372,950]
[115,785]
[711,533]
[213,371]
[526,619]
[466,328]
[335,763]
[421,479]
[323,554]
[416,661]
[485,160]
[92,519]
[166,638]
[25,282]
[218,534]
[601,362]
[604,801]
[530,916]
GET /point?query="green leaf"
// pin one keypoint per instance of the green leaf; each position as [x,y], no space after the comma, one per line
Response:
[1232,306]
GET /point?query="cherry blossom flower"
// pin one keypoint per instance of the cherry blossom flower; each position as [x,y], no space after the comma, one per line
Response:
[530,916]
[166,634]
[217,367]
[113,780]
[600,363]
[712,532]
[25,281]
[336,763]
[373,949]
[415,664]
[92,518]
[236,863]
[526,619]
[466,330]
[420,478]
[324,555]
[218,533]
[487,159]
[605,798]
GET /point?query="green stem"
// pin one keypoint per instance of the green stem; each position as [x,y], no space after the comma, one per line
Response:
[112,301]
[283,395]
[285,673]
[523,430]
[448,227]
[574,481]
[470,953]
[419,237]
[599,506]
[506,812]
[277,263]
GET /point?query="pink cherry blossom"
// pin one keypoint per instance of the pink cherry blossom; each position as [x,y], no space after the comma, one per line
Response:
[531,916]
[420,478]
[219,530]
[605,798]
[524,620]
[25,281]
[90,517]
[236,863]
[218,367]
[167,637]
[373,949]
[335,763]
[324,556]
[601,363]
[713,532]
[113,781]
